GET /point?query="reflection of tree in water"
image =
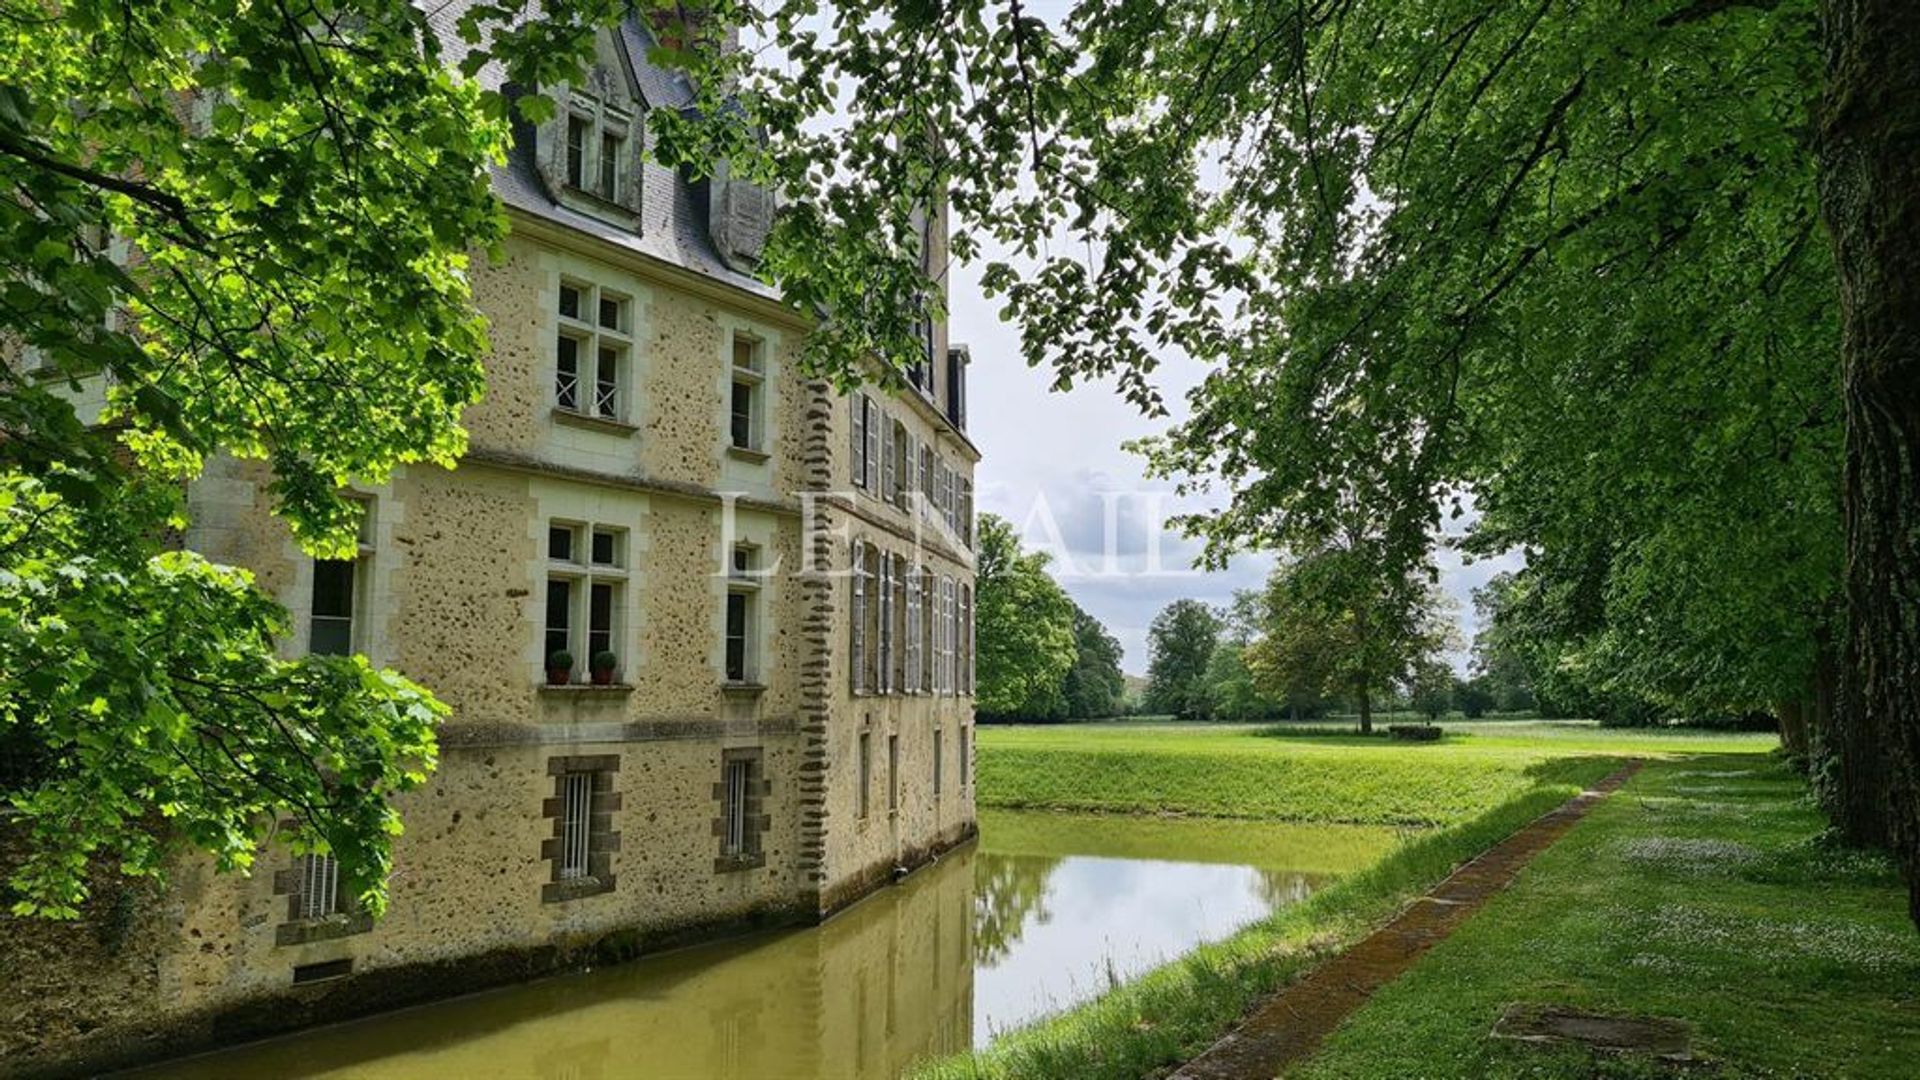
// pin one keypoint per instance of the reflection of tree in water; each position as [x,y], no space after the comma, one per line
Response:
[1280,888]
[1009,891]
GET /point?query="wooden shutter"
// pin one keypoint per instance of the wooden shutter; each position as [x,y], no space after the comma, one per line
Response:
[857,464]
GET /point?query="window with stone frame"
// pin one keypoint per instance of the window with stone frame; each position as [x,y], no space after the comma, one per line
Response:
[925,487]
[746,405]
[593,351]
[741,793]
[586,594]
[866,773]
[885,569]
[897,478]
[317,908]
[336,618]
[900,623]
[964,752]
[857,630]
[741,660]
[928,602]
[943,662]
[595,157]
[939,762]
[964,667]
[867,434]
[893,773]
[912,683]
[580,849]
[964,512]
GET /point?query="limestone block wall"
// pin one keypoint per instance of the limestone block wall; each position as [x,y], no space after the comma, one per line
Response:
[672,427]
[451,590]
[899,727]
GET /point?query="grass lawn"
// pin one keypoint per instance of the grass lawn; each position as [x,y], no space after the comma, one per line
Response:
[1698,892]
[1175,1011]
[1314,774]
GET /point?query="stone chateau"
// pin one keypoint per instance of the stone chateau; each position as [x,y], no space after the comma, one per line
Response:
[705,627]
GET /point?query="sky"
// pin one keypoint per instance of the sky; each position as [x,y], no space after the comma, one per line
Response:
[1053,464]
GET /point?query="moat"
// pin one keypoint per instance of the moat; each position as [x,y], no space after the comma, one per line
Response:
[1046,911]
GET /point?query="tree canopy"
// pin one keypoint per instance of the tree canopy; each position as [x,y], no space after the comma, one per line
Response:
[1340,621]
[1565,259]
[1094,686]
[1024,626]
[1180,645]
[251,224]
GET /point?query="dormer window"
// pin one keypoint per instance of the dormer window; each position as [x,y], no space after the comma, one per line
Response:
[596,157]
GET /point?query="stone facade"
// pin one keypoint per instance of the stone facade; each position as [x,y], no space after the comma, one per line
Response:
[577,822]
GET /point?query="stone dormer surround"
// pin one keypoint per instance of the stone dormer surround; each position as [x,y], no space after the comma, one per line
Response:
[608,98]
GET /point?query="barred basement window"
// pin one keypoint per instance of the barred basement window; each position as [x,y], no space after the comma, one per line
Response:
[737,775]
[319,886]
[576,797]
[317,909]
[742,793]
[939,763]
[866,772]
[893,773]
[583,841]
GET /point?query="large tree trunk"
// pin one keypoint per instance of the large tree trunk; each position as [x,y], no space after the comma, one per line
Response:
[1792,715]
[1869,161]
[1366,713]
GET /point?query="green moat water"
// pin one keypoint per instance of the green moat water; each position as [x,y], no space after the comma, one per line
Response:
[1045,912]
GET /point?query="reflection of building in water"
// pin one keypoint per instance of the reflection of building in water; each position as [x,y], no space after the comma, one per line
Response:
[880,986]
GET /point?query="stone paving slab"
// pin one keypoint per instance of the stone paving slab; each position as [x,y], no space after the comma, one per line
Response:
[1669,1040]
[1291,1024]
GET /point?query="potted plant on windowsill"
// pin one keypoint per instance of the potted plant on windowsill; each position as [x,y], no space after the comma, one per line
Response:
[602,666]
[559,667]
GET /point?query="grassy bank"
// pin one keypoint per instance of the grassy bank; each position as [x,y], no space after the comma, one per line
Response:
[1175,1011]
[1700,892]
[1314,775]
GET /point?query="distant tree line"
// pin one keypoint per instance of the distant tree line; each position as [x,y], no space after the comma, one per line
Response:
[1328,630]
[1040,655]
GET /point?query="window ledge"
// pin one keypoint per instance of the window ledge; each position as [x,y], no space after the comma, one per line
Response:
[743,689]
[586,688]
[592,423]
[744,453]
[731,864]
[323,928]
[559,892]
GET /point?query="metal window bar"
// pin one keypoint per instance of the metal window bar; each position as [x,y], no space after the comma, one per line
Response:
[606,386]
[575,826]
[319,886]
[566,389]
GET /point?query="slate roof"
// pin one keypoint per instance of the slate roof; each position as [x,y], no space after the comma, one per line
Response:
[673,213]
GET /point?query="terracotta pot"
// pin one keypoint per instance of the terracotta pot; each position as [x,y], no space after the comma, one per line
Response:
[603,678]
[558,676]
